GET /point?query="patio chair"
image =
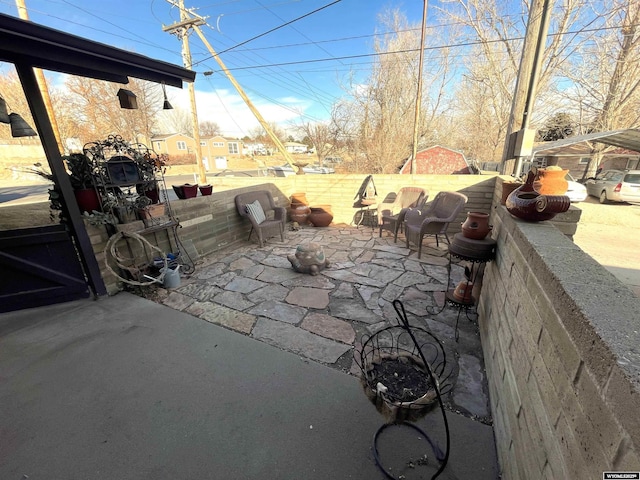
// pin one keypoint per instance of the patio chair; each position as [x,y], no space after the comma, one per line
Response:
[391,214]
[267,219]
[433,219]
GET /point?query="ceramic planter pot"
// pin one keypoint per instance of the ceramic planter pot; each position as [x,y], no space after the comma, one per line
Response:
[185,191]
[476,226]
[87,199]
[321,216]
[205,189]
[551,182]
[299,212]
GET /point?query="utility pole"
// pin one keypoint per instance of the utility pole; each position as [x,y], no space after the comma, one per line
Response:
[518,135]
[254,110]
[416,122]
[42,83]
[186,21]
[181,30]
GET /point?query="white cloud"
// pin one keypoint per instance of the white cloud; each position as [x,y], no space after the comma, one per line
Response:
[227,108]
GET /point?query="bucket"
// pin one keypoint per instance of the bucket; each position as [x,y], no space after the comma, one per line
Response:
[171,277]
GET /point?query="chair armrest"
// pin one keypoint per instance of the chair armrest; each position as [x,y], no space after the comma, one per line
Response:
[280,213]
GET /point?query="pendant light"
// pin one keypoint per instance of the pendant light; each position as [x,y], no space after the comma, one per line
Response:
[166,105]
[4,115]
[20,128]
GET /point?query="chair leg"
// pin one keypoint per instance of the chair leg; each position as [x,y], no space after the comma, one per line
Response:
[250,232]
[420,246]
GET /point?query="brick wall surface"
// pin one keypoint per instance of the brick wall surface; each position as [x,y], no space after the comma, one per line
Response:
[564,378]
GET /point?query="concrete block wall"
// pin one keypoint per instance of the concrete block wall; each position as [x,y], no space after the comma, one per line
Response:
[560,336]
[339,190]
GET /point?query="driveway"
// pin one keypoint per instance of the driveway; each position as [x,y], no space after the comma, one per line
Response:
[610,234]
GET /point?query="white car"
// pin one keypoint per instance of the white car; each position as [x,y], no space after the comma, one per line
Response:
[577,192]
[286,170]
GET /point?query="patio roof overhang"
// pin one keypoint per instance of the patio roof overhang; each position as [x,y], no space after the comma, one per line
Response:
[26,43]
[628,139]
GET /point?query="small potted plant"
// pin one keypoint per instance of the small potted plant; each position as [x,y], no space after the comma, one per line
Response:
[81,174]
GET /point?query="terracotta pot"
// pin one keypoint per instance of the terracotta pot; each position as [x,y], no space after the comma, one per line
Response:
[476,226]
[321,216]
[87,199]
[527,204]
[551,182]
[299,212]
[463,291]
[299,197]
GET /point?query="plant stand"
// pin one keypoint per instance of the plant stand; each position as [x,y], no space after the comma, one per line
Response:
[404,373]
[477,253]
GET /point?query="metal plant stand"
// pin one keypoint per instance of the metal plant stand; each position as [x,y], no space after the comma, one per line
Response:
[404,373]
[477,253]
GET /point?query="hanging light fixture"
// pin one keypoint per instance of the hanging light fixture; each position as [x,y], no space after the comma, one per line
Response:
[127,99]
[20,128]
[166,105]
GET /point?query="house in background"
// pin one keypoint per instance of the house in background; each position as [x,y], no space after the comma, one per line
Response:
[574,153]
[295,147]
[219,146]
[173,144]
[438,160]
[575,158]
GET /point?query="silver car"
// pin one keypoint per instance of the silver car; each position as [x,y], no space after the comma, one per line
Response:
[615,186]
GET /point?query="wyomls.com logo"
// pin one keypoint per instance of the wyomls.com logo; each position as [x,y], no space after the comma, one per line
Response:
[621,475]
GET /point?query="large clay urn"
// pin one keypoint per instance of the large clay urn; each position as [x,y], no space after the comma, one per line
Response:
[299,210]
[321,216]
[476,226]
[551,181]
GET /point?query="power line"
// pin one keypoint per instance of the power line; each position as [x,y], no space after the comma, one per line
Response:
[278,27]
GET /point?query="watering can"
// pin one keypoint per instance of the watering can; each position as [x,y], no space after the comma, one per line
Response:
[171,277]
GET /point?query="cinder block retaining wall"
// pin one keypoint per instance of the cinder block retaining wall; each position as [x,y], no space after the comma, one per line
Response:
[560,340]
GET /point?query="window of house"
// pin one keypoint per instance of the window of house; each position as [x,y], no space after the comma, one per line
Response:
[233,147]
[584,161]
[632,164]
[203,144]
[182,145]
[218,144]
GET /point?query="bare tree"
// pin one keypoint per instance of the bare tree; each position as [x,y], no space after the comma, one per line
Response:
[209,129]
[177,120]
[320,136]
[376,121]
[606,75]
[485,94]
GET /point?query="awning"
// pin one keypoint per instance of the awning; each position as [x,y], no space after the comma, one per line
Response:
[628,139]
[31,44]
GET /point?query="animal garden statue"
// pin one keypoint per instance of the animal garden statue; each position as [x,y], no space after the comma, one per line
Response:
[309,258]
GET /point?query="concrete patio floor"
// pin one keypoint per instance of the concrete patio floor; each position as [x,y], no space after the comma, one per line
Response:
[244,371]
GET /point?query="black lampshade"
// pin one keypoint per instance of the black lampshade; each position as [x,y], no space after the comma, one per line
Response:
[4,115]
[166,105]
[20,128]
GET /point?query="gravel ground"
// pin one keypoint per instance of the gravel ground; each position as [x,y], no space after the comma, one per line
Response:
[610,234]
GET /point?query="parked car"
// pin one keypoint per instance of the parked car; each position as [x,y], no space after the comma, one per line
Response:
[615,186]
[577,192]
[286,170]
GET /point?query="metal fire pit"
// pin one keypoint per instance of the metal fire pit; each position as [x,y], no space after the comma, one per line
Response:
[404,373]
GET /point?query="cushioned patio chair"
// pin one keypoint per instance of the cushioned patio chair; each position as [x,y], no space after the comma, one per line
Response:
[391,214]
[433,219]
[267,219]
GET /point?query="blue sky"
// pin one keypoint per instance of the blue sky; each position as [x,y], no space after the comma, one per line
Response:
[303,90]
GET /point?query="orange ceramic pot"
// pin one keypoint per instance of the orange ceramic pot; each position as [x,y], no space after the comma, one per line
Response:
[299,197]
[551,182]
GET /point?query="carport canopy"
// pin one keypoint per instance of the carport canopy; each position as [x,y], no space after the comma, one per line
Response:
[628,139]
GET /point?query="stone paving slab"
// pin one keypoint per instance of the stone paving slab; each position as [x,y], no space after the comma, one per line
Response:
[255,291]
[299,341]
